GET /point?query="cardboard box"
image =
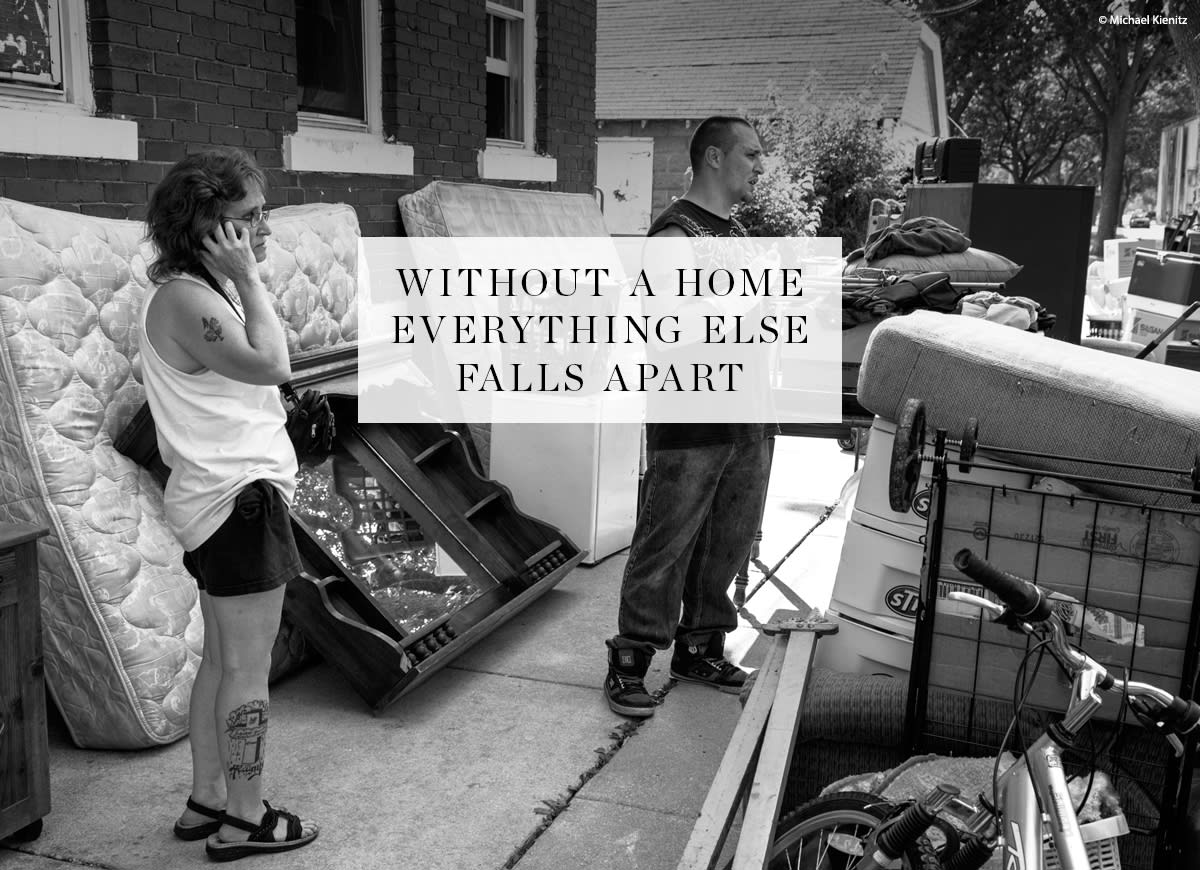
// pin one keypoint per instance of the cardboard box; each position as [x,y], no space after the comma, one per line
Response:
[1131,571]
[1145,326]
[1118,256]
[988,669]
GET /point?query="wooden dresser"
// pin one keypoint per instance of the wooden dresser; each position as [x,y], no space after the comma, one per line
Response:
[24,754]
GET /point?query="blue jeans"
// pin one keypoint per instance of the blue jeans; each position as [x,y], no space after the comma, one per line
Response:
[701,507]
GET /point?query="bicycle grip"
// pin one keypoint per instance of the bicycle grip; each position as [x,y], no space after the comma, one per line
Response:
[1024,599]
[1182,715]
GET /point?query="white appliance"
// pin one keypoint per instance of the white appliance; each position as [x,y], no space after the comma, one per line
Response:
[580,477]
[878,583]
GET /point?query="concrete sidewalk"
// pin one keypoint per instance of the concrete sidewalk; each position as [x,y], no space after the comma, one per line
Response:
[509,757]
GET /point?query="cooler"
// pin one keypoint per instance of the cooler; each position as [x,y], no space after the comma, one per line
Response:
[878,582]
[874,601]
[872,501]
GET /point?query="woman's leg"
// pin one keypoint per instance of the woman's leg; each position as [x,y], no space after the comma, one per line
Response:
[246,627]
[208,772]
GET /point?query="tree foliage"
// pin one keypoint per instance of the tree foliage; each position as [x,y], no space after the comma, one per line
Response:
[1110,66]
[1025,115]
[834,159]
[1052,77]
[784,203]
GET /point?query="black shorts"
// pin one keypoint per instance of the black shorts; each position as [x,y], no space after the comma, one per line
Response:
[252,551]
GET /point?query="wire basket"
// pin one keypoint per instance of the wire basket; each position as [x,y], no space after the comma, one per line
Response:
[1100,840]
[1130,571]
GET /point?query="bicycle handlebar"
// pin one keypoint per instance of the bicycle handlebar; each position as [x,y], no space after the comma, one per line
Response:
[1025,600]
[1179,716]
[1173,715]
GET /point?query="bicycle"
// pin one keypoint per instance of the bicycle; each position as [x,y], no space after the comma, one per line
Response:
[854,831]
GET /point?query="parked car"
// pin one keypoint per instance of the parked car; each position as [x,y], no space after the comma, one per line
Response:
[1139,219]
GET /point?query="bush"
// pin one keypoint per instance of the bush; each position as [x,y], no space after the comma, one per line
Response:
[829,161]
[784,203]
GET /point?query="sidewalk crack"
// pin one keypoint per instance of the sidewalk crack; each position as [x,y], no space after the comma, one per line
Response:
[75,862]
[554,807]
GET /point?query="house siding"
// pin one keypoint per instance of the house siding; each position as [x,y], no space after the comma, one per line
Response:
[193,73]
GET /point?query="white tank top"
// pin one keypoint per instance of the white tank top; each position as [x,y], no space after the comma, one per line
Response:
[216,434]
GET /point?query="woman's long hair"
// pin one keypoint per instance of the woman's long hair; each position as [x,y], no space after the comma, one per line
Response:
[188,203]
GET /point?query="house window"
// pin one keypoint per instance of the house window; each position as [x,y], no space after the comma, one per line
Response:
[510,153]
[510,71]
[46,102]
[42,48]
[31,44]
[339,84]
[330,59]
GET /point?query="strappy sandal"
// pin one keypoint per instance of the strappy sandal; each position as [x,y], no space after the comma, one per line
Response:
[262,836]
[200,830]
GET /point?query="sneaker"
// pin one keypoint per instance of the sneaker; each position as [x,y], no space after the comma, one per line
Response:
[625,686]
[707,665]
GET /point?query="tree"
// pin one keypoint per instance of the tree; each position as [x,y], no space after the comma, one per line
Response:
[1186,38]
[842,150]
[1028,125]
[1109,66]
[998,62]
[990,49]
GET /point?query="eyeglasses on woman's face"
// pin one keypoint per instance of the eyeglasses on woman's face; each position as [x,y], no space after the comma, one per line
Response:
[253,220]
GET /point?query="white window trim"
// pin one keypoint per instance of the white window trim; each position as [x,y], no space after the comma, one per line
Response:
[506,159]
[498,162]
[64,126]
[325,144]
[528,19]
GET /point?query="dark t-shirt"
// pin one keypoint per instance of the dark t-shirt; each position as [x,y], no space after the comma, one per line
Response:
[697,221]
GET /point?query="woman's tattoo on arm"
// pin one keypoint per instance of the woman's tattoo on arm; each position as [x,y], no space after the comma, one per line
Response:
[246,731]
[212,329]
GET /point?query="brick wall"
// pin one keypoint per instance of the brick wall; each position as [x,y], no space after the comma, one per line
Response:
[566,98]
[199,72]
[671,160]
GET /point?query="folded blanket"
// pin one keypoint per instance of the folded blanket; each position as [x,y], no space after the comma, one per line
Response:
[922,236]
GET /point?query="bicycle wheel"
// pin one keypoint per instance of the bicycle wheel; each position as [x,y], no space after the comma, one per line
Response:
[829,833]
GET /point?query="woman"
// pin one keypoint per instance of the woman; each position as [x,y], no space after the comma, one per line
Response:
[213,353]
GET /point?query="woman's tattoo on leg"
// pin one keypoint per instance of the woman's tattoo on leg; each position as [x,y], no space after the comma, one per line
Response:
[246,730]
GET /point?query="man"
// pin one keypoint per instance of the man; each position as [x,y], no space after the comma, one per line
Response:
[705,483]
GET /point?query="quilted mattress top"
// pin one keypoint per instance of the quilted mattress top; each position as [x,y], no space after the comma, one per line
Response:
[121,619]
[446,208]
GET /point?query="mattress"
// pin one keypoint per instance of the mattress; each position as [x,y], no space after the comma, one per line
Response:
[447,208]
[1030,392]
[456,210]
[121,620]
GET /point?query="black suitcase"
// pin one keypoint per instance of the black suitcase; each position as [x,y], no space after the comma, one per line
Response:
[947,160]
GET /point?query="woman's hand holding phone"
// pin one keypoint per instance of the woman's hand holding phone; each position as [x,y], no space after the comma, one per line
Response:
[227,251]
